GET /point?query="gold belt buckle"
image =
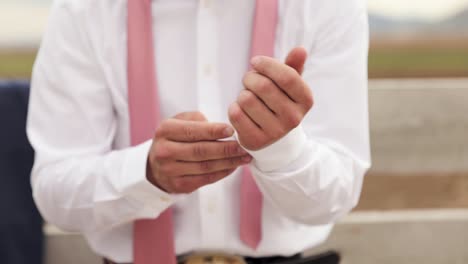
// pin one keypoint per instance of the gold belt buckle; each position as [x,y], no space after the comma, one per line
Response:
[212,259]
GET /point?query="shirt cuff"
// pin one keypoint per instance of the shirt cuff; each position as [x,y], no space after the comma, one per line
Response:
[137,187]
[281,153]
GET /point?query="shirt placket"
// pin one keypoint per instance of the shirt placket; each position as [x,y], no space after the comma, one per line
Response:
[209,103]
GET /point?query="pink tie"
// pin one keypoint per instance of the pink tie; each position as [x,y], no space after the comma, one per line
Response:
[154,238]
[263,43]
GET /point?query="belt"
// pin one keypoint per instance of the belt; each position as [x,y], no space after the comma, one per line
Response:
[330,257]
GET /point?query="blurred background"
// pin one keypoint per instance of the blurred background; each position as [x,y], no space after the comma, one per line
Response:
[415,198]
[409,38]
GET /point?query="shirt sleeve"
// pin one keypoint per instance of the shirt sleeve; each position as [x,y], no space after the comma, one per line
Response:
[314,174]
[79,182]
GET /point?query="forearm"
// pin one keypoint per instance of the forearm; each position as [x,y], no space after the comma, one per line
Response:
[96,191]
[319,186]
[324,181]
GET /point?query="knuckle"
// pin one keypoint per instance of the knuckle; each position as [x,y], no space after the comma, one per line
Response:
[287,78]
[199,151]
[206,166]
[214,131]
[294,120]
[159,133]
[263,64]
[162,128]
[247,99]
[264,86]
[227,150]
[165,170]
[161,152]
[309,101]
[152,157]
[235,114]
[246,79]
[189,133]
[232,149]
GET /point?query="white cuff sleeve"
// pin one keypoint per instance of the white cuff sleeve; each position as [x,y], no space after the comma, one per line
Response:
[136,186]
[281,153]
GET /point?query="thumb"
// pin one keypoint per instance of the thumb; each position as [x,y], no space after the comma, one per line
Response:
[296,59]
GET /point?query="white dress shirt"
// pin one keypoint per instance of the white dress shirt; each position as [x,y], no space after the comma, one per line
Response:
[86,178]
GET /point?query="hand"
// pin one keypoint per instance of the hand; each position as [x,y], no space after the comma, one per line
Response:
[186,155]
[274,101]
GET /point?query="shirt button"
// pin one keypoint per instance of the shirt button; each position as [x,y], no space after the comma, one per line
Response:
[165,199]
[211,208]
[207,70]
[206,3]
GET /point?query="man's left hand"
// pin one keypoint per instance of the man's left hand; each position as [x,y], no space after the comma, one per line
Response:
[274,101]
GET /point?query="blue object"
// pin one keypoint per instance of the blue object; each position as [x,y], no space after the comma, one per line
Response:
[21,238]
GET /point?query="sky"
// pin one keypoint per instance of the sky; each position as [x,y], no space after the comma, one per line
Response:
[22,21]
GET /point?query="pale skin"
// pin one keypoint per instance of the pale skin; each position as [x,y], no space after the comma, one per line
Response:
[186,153]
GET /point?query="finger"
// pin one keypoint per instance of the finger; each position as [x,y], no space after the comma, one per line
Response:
[190,183]
[191,116]
[192,131]
[246,128]
[201,151]
[258,112]
[268,92]
[297,58]
[283,75]
[209,166]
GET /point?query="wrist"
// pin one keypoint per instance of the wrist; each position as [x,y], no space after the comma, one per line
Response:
[151,177]
[281,153]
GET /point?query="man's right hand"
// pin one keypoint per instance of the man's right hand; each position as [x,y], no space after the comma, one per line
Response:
[187,155]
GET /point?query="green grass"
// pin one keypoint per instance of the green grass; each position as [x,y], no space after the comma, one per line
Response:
[383,63]
[418,62]
[16,64]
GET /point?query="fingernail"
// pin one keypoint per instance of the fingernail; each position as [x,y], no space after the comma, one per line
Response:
[228,131]
[247,158]
[255,60]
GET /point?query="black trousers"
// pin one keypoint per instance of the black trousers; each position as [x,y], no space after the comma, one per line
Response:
[330,257]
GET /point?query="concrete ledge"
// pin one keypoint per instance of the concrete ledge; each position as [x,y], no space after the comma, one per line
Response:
[419,125]
[403,237]
[67,248]
[412,237]
[387,191]
[413,216]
